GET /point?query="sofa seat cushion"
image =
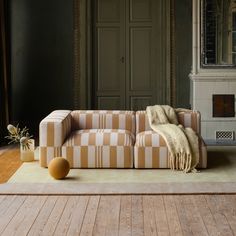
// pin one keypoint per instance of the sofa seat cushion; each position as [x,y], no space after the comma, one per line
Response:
[99,148]
[149,139]
[100,137]
[150,151]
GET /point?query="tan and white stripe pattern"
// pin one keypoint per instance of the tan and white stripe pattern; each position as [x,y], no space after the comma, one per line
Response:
[46,154]
[158,156]
[105,139]
[100,137]
[187,119]
[99,156]
[150,150]
[149,139]
[53,130]
[151,157]
[190,119]
[102,119]
[99,148]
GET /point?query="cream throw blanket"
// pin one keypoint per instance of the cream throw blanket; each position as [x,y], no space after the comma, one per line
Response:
[182,142]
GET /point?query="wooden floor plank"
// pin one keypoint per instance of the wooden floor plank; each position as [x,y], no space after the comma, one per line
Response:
[231,202]
[66,217]
[18,219]
[119,215]
[112,227]
[108,214]
[160,216]
[183,218]
[172,216]
[78,216]
[206,214]
[221,221]
[9,162]
[5,203]
[125,216]
[137,215]
[2,197]
[228,207]
[26,215]
[90,216]
[149,216]
[101,217]
[196,223]
[55,216]
[4,149]
[42,218]
[10,212]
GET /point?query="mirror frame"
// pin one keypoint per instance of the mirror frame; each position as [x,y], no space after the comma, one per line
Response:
[202,49]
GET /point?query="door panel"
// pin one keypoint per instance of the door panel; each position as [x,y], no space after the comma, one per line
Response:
[108,59]
[140,10]
[140,58]
[142,41]
[108,11]
[109,67]
[129,60]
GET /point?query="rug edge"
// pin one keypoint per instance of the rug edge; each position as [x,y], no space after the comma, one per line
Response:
[117,189]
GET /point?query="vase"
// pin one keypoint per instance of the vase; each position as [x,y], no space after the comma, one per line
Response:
[27,154]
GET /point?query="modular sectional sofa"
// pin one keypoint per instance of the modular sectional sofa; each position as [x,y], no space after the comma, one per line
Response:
[108,139]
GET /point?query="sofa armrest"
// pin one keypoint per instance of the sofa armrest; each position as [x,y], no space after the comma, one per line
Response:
[190,118]
[54,128]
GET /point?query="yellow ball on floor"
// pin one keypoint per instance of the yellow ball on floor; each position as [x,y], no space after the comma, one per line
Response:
[59,167]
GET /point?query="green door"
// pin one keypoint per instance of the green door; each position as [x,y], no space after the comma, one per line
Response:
[128,68]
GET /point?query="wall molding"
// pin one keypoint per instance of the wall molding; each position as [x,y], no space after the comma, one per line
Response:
[173,54]
[4,103]
[76,42]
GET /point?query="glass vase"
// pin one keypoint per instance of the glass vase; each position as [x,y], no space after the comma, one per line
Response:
[27,154]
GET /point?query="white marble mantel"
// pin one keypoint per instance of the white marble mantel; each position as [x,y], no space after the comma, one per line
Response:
[204,82]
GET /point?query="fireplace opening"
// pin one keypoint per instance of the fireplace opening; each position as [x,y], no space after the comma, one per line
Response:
[223,105]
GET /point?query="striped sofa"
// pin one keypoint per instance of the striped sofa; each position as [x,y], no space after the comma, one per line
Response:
[108,139]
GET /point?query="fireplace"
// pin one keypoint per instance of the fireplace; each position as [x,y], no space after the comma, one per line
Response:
[212,88]
[223,105]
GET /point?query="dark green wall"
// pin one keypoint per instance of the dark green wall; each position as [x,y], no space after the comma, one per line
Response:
[41,33]
[183,23]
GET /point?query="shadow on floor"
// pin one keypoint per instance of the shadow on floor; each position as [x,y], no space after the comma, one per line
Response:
[221,158]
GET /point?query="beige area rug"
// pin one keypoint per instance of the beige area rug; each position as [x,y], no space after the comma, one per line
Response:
[219,177]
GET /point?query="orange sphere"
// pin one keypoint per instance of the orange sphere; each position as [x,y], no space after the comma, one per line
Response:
[59,167]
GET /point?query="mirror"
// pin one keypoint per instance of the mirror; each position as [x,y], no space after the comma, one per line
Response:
[218,33]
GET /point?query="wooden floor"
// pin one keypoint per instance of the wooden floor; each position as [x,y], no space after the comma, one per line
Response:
[118,215]
[112,215]
[9,162]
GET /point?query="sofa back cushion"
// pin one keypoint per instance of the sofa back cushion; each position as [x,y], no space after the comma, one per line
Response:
[102,119]
[187,119]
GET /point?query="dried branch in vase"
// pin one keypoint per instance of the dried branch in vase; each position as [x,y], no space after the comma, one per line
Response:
[17,135]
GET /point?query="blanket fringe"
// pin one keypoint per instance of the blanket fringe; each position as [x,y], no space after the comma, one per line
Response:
[182,161]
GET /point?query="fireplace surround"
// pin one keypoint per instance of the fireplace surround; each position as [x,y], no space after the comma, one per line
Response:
[205,82]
